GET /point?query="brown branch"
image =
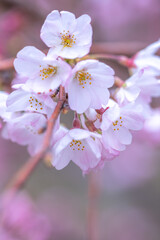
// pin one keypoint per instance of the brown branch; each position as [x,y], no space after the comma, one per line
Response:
[6,64]
[104,51]
[92,213]
[103,56]
[23,174]
[118,48]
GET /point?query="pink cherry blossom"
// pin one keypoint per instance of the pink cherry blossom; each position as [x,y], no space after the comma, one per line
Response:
[21,100]
[44,75]
[88,87]
[147,58]
[67,36]
[80,146]
[26,129]
[142,84]
[116,123]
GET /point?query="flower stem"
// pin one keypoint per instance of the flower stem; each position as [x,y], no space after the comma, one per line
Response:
[23,174]
[92,213]
[118,82]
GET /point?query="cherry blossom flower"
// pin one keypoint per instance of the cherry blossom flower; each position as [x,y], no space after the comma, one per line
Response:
[116,123]
[147,58]
[26,129]
[21,100]
[89,85]
[44,75]
[67,36]
[80,146]
[141,84]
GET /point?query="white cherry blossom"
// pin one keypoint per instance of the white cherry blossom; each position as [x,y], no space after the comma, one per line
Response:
[88,86]
[67,36]
[147,58]
[20,100]
[26,130]
[117,122]
[142,84]
[44,75]
[80,146]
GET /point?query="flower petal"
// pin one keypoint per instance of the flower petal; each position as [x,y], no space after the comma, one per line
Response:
[78,97]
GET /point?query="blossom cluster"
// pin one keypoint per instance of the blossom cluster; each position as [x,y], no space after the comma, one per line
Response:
[106,109]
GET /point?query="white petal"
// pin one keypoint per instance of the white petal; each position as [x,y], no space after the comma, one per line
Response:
[18,100]
[99,96]
[110,139]
[133,122]
[68,19]
[51,29]
[79,134]
[83,20]
[28,61]
[88,159]
[124,136]
[132,93]
[150,50]
[62,144]
[43,86]
[78,97]
[61,160]
[85,37]
[102,80]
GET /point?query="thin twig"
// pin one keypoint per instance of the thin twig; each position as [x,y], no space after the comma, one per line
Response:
[103,51]
[6,64]
[118,48]
[23,174]
[102,56]
[92,218]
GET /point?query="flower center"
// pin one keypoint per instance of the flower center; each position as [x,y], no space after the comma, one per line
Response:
[117,124]
[48,72]
[68,40]
[83,78]
[76,145]
[35,104]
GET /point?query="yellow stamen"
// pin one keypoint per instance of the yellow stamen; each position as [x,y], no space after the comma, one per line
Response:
[68,40]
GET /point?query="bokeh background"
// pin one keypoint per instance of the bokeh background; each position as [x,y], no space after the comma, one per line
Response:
[54,204]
